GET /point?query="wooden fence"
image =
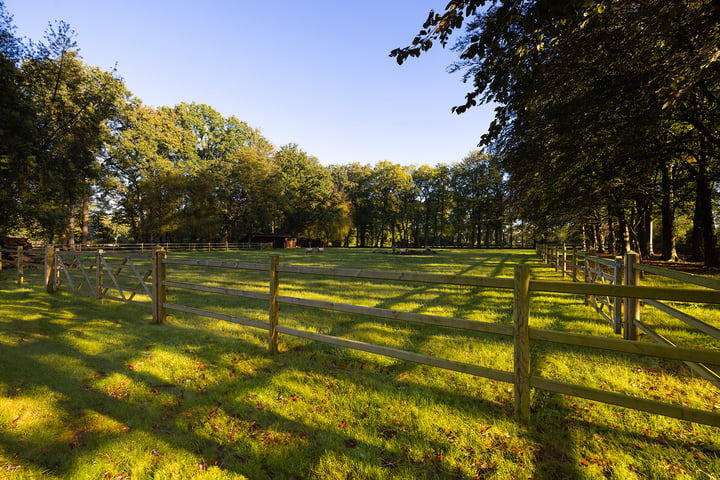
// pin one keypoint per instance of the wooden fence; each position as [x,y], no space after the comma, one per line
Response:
[169,246]
[17,258]
[101,275]
[593,269]
[522,335]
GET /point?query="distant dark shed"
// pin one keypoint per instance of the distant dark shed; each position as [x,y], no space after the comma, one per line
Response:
[278,240]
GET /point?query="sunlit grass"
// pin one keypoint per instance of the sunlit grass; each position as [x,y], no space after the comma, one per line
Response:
[98,391]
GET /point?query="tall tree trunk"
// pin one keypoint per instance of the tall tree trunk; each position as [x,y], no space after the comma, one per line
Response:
[85,219]
[71,228]
[667,210]
[644,211]
[597,239]
[624,231]
[611,239]
[703,218]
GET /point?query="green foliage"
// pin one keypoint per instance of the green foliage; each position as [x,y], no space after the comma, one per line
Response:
[596,100]
[309,204]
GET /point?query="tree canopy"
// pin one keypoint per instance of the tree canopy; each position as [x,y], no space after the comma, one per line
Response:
[607,119]
[598,101]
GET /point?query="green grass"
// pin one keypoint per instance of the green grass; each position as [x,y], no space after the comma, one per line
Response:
[98,391]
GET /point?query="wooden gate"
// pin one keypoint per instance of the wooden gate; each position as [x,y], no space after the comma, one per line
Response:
[117,276]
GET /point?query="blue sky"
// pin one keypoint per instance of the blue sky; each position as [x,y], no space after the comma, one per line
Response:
[315,73]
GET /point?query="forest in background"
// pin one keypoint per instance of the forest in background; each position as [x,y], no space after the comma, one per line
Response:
[607,124]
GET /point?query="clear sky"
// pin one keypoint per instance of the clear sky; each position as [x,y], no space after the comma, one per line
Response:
[313,72]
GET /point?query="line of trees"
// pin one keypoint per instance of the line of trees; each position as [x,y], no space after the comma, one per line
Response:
[607,124]
[82,159]
[608,112]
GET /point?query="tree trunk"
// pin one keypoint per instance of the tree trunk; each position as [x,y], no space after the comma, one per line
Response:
[612,239]
[597,239]
[644,210]
[667,210]
[624,231]
[85,219]
[71,228]
[703,218]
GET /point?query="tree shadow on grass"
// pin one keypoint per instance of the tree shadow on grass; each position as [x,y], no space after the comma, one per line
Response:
[264,438]
[252,439]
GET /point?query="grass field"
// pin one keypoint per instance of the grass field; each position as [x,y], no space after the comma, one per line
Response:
[98,391]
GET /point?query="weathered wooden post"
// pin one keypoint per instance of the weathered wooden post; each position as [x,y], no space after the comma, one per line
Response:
[573,264]
[159,290]
[49,269]
[98,275]
[617,301]
[564,260]
[274,307]
[19,264]
[632,305]
[521,335]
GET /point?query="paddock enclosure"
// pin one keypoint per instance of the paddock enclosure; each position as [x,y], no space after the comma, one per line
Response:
[504,324]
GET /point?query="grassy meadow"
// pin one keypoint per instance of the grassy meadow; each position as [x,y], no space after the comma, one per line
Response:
[91,390]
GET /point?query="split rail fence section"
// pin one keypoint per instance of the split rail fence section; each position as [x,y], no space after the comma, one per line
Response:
[520,332]
[624,315]
[169,246]
[124,277]
[18,259]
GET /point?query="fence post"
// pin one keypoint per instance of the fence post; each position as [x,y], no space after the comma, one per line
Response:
[632,305]
[49,268]
[617,302]
[564,260]
[573,264]
[521,318]
[98,275]
[19,264]
[158,285]
[586,274]
[274,307]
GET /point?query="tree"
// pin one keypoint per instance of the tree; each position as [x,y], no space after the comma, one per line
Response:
[17,133]
[309,205]
[153,158]
[590,90]
[73,105]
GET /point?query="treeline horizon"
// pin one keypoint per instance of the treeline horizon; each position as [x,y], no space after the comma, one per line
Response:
[593,143]
[84,160]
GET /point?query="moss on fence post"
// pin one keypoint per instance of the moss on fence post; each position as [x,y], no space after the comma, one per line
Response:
[521,335]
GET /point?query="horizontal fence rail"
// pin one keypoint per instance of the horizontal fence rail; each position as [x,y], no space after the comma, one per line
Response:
[168,246]
[519,332]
